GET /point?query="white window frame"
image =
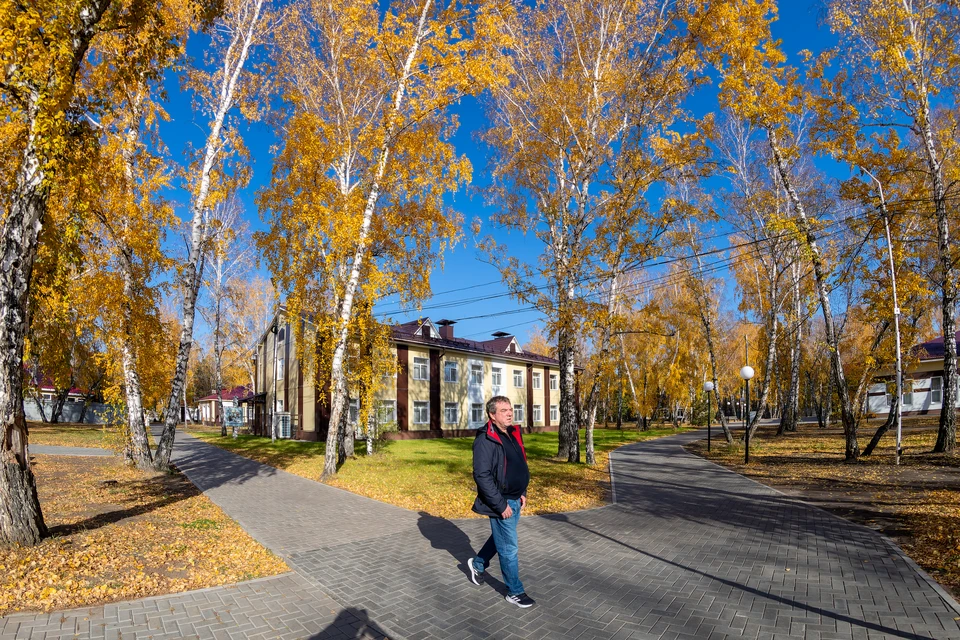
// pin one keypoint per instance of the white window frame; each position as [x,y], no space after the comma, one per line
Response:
[518,413]
[518,378]
[418,408]
[476,374]
[353,417]
[386,411]
[421,368]
[936,391]
[476,413]
[554,413]
[537,380]
[554,381]
[537,413]
[280,368]
[907,398]
[451,367]
[447,406]
[496,377]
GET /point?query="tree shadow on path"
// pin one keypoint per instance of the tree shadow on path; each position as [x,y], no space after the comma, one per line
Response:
[854,622]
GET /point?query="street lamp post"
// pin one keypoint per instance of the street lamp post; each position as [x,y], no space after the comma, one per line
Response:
[746,373]
[707,388]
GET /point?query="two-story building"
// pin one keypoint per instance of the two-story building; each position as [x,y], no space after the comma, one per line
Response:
[440,387]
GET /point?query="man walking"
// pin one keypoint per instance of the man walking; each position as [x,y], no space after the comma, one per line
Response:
[501,473]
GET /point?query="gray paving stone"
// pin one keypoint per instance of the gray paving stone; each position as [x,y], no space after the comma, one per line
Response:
[689,550]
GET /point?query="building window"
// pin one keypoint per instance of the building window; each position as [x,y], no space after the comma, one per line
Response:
[476,374]
[451,412]
[280,369]
[537,413]
[907,393]
[936,389]
[421,369]
[387,411]
[554,414]
[554,381]
[450,371]
[279,405]
[421,413]
[496,377]
[354,411]
[476,413]
[518,413]
[537,380]
[518,378]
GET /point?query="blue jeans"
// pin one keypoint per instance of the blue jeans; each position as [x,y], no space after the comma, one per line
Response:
[503,542]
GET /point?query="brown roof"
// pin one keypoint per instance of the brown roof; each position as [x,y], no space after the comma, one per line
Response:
[406,332]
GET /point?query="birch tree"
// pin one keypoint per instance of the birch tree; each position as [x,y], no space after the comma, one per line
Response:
[580,130]
[240,29]
[759,87]
[44,52]
[902,59]
[228,257]
[356,204]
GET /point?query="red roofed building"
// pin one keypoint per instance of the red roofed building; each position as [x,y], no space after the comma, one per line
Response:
[209,406]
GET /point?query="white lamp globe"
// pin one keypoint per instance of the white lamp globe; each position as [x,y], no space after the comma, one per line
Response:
[708,386]
[746,372]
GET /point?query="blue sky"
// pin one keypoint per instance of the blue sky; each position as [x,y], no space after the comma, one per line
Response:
[466,285]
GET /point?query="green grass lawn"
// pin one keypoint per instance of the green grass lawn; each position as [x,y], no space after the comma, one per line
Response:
[435,476]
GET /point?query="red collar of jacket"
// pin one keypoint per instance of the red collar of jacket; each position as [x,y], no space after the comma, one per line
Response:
[494,434]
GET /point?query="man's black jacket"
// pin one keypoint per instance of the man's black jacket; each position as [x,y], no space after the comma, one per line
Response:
[490,470]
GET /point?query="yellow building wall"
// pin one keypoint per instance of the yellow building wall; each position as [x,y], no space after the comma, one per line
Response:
[538,396]
[418,390]
[455,391]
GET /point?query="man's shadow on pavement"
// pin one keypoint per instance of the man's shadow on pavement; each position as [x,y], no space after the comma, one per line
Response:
[445,535]
[352,624]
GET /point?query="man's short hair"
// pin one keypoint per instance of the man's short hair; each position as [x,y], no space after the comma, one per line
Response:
[494,401]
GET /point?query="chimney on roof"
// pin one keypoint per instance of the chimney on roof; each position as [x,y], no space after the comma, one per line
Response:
[500,334]
[446,329]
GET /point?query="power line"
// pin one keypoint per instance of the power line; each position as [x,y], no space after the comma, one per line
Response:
[670,279]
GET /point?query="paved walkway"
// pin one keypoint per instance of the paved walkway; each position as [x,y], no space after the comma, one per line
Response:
[689,550]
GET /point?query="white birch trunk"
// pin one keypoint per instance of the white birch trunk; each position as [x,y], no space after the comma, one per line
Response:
[338,384]
[233,64]
[21,520]
[820,278]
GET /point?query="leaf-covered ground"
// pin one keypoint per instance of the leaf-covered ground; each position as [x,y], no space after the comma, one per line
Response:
[916,503]
[70,435]
[118,534]
[435,476]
